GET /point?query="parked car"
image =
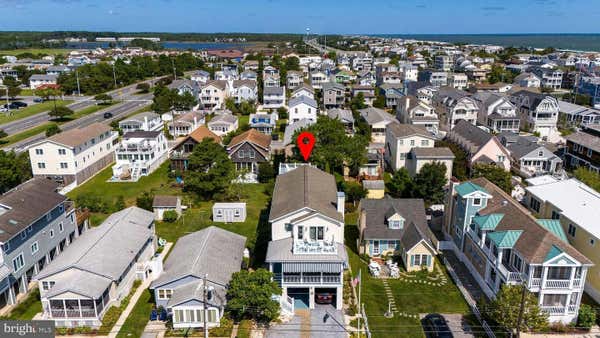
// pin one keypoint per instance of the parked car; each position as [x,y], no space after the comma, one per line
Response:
[3,109]
[38,100]
[14,105]
[435,325]
[324,298]
[108,115]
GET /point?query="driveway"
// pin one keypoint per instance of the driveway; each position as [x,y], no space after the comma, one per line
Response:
[458,325]
[323,321]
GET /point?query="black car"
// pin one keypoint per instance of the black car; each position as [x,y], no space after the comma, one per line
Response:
[108,115]
[19,104]
[435,325]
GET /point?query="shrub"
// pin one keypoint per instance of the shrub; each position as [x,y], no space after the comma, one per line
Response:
[52,129]
[170,216]
[587,316]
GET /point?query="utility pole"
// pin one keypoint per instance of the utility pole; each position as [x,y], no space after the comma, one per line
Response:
[7,101]
[77,76]
[174,72]
[114,75]
[205,291]
[521,310]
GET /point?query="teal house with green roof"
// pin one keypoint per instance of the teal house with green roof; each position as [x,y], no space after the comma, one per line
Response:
[501,243]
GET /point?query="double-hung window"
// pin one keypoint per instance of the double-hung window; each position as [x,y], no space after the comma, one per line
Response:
[18,262]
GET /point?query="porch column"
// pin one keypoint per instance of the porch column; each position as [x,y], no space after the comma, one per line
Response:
[311,299]
[11,295]
[79,305]
[95,310]
[544,273]
[65,308]
[47,258]
[35,268]
[24,281]
[571,277]
[567,303]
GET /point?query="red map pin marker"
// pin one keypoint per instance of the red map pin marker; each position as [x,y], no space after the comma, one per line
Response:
[305,142]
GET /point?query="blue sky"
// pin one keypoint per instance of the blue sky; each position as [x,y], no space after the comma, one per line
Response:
[324,16]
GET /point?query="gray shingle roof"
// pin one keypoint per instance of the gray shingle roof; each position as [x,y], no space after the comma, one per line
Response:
[586,140]
[273,91]
[27,203]
[305,187]
[302,99]
[375,115]
[103,253]
[377,210]
[438,152]
[477,136]
[212,251]
[405,130]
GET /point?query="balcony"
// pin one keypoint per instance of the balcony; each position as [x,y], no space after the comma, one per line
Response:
[319,247]
[558,310]
[511,276]
[535,282]
[134,148]
[557,283]
[320,279]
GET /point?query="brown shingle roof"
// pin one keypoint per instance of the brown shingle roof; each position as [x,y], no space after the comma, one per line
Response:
[203,132]
[165,201]
[75,137]
[535,241]
[253,136]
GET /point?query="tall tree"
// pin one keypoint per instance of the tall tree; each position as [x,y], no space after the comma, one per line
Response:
[250,295]
[400,184]
[14,169]
[494,174]
[430,181]
[505,309]
[210,170]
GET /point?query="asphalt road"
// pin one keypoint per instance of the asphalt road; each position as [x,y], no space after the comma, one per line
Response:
[124,94]
[118,110]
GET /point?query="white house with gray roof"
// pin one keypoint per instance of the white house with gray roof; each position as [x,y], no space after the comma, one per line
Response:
[302,107]
[98,270]
[223,124]
[273,97]
[213,253]
[146,121]
[306,252]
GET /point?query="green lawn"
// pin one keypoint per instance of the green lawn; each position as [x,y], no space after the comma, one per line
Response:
[139,316]
[28,307]
[31,110]
[48,51]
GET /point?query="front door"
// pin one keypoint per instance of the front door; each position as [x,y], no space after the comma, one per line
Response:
[375,248]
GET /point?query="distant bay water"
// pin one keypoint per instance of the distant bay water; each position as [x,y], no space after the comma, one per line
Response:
[578,42]
[180,45]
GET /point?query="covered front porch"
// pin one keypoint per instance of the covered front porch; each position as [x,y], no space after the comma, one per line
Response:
[68,310]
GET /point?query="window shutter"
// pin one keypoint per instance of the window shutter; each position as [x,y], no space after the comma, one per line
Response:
[412,260]
[428,259]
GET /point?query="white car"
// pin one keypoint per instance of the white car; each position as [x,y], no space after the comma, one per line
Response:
[3,109]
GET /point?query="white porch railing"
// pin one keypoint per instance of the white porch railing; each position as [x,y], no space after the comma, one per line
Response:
[553,310]
[577,283]
[535,282]
[557,283]
[321,247]
[286,303]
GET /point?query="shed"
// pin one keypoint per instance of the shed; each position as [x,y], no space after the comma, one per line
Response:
[164,203]
[229,212]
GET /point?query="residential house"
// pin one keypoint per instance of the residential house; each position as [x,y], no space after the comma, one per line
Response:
[37,80]
[420,156]
[183,149]
[303,90]
[583,148]
[443,62]
[273,97]
[213,94]
[57,70]
[532,159]
[551,78]
[501,243]
[392,94]
[248,150]
[263,122]
[334,94]
[270,71]
[228,75]
[390,226]
[454,105]
[539,112]
[576,115]
[244,90]
[527,80]
[200,76]
[271,81]
[366,78]
[317,78]
[345,116]
[146,121]
[139,154]
[75,155]
[211,255]
[497,112]
[184,124]
[302,107]
[411,110]
[36,225]
[368,93]
[185,86]
[573,206]
[294,79]
[98,270]
[480,146]
[249,75]
[378,120]
[223,124]
[409,72]
[434,78]
[162,203]
[251,65]
[458,80]
[375,188]
[229,212]
[306,253]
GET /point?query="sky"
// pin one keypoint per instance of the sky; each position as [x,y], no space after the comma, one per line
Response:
[294,16]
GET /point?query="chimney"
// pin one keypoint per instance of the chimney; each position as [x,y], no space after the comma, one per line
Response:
[341,199]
